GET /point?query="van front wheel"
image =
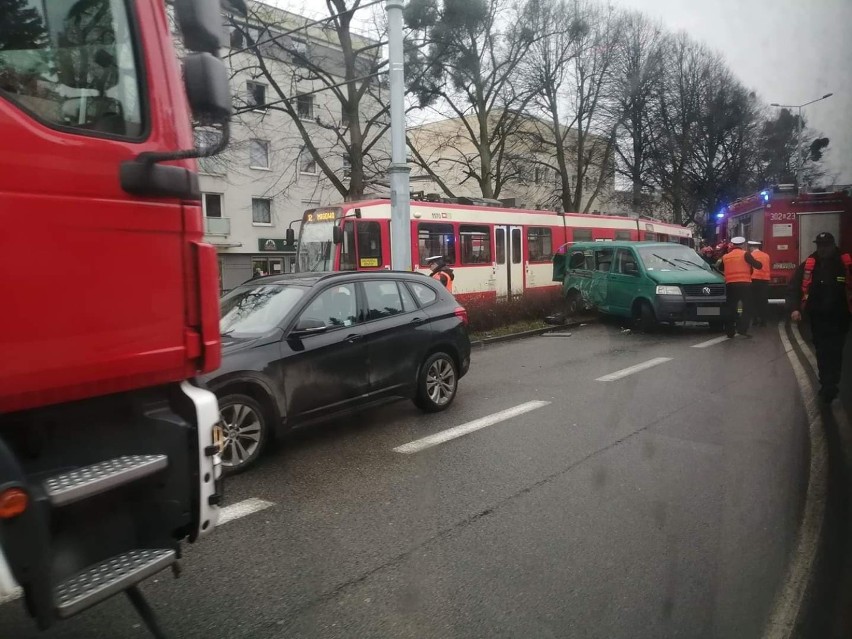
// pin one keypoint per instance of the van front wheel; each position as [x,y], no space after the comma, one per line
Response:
[644,318]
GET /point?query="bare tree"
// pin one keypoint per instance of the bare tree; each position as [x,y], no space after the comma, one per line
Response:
[465,58]
[327,79]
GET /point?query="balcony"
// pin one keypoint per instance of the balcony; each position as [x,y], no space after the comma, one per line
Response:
[217,226]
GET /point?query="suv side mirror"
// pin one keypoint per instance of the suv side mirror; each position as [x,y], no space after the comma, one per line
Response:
[308,326]
[630,268]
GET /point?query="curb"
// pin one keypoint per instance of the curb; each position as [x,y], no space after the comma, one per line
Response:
[481,343]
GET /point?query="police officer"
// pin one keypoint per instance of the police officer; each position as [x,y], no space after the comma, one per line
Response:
[822,290]
[737,265]
[441,272]
[760,283]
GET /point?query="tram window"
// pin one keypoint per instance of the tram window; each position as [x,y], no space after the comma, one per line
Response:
[539,244]
[369,244]
[622,236]
[475,244]
[436,239]
[582,235]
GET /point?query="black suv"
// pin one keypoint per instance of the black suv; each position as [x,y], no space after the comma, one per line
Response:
[300,348]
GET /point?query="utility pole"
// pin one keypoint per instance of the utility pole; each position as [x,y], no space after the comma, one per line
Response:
[800,160]
[399,169]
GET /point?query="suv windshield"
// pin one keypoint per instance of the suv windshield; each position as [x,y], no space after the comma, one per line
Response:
[255,310]
[671,258]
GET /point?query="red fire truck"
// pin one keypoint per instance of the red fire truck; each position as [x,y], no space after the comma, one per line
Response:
[107,456]
[494,251]
[787,222]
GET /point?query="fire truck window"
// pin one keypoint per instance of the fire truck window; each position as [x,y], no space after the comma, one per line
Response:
[582,235]
[347,249]
[436,239]
[369,244]
[539,244]
[516,246]
[500,235]
[475,244]
[72,64]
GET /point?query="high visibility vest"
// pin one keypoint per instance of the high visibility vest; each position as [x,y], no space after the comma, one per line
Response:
[808,279]
[444,279]
[761,273]
[737,270]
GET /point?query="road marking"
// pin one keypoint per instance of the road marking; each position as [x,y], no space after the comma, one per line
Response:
[634,369]
[785,610]
[465,429]
[241,509]
[711,342]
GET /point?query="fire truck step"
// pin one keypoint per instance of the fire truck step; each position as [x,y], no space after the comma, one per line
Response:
[74,485]
[108,578]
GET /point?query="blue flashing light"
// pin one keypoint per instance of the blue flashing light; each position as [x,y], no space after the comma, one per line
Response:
[720,215]
[765,195]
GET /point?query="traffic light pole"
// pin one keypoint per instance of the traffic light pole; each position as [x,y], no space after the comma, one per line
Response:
[399,169]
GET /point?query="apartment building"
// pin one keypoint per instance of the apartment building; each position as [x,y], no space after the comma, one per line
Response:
[266,179]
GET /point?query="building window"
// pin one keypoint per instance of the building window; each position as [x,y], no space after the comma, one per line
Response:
[436,239]
[305,107]
[539,244]
[206,139]
[307,164]
[538,174]
[256,94]
[300,51]
[347,165]
[212,204]
[261,210]
[259,154]
[369,244]
[475,244]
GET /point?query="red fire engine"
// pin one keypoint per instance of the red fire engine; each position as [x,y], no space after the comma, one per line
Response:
[787,222]
[494,251]
[107,458]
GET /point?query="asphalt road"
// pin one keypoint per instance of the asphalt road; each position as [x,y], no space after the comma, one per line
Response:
[663,503]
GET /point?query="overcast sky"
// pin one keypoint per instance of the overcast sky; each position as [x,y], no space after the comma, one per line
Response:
[789,51]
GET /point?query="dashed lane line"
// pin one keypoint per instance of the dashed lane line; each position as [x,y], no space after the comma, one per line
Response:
[242,508]
[465,429]
[712,342]
[638,368]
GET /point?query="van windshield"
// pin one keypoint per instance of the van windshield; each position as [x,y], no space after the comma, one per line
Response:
[671,258]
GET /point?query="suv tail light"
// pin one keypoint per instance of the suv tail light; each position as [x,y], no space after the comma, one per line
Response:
[461,313]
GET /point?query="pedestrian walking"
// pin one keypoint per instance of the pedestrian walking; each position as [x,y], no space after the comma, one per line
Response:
[737,265]
[441,272]
[821,291]
[760,283]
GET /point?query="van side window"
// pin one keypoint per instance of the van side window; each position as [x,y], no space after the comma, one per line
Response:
[603,260]
[577,261]
[622,257]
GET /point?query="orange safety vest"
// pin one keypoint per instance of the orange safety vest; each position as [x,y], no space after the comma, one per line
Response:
[444,279]
[761,273]
[808,279]
[737,270]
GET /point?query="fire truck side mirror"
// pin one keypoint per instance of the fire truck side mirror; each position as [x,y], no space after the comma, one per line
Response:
[200,23]
[206,81]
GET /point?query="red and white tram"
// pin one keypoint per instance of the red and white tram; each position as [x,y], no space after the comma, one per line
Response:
[494,251]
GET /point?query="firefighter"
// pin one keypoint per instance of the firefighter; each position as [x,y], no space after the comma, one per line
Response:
[737,265]
[821,289]
[441,272]
[760,283]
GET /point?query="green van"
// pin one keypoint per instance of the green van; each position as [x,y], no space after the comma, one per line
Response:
[649,282]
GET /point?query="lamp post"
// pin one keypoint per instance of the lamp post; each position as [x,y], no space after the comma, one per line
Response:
[800,159]
[399,169]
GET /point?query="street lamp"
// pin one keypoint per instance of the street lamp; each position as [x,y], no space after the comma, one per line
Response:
[799,133]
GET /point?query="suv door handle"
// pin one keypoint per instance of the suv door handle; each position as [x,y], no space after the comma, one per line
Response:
[354,338]
[417,321]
